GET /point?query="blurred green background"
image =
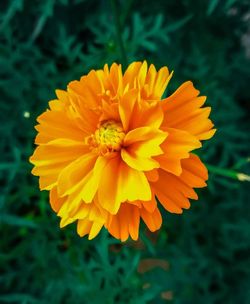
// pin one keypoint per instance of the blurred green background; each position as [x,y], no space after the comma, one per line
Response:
[202,256]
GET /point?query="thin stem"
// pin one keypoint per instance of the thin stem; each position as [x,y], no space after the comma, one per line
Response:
[114,5]
[228,173]
[126,9]
[241,163]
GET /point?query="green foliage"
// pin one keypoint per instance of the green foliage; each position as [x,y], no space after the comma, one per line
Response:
[44,45]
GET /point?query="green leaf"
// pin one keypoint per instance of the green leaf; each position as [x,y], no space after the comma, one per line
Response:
[172,27]
[13,220]
[212,6]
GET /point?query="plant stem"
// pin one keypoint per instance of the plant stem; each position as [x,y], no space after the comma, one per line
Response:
[228,173]
[114,5]
[125,12]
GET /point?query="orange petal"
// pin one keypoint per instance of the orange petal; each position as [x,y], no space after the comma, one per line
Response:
[107,190]
[131,73]
[109,111]
[126,107]
[175,195]
[54,125]
[194,172]
[125,223]
[183,111]
[176,147]
[152,175]
[161,82]
[167,203]
[55,201]
[113,226]
[150,205]
[152,220]
[116,79]
[134,223]
[146,114]
[88,88]
[184,93]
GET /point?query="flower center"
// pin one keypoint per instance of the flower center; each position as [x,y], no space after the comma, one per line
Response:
[107,138]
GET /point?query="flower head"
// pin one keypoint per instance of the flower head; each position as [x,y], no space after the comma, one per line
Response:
[109,145]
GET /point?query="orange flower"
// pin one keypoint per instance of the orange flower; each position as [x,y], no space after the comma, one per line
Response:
[109,145]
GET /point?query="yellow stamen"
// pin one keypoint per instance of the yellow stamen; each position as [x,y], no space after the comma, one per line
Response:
[107,138]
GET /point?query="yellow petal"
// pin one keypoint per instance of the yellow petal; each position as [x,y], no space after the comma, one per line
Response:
[133,185]
[58,151]
[123,183]
[145,135]
[83,227]
[95,229]
[150,80]
[142,74]
[138,163]
[161,82]
[140,145]
[74,173]
[66,221]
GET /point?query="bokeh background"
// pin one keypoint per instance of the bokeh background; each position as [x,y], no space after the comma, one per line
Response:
[202,256]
